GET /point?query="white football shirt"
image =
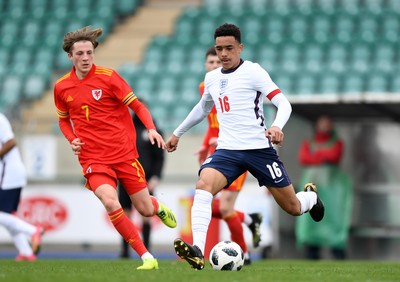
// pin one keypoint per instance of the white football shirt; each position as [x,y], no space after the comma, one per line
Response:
[238,96]
[12,169]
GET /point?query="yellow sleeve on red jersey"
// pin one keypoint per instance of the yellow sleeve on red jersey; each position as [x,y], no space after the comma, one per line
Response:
[121,89]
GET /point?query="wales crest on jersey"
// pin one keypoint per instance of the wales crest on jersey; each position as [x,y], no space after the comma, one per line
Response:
[96,93]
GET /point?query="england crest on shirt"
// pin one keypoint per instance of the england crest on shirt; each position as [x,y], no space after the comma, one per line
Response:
[96,93]
[223,83]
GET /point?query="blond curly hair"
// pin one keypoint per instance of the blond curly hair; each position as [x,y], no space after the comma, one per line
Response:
[84,34]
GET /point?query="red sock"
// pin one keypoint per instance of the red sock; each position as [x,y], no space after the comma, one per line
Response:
[236,229]
[128,231]
[154,201]
[216,213]
[240,215]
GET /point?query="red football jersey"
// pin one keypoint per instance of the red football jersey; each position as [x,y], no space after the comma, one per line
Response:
[98,108]
[213,125]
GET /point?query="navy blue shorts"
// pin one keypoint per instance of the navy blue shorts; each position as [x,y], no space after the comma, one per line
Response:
[263,164]
[9,200]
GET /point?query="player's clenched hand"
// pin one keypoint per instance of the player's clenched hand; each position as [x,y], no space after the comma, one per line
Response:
[172,143]
[76,146]
[275,134]
[154,137]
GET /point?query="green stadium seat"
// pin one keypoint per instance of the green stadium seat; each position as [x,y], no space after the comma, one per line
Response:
[337,58]
[329,83]
[394,5]
[368,29]
[9,28]
[22,55]
[284,82]
[154,53]
[34,87]
[313,58]
[353,83]
[267,55]
[126,7]
[11,89]
[4,56]
[175,67]
[143,84]
[376,82]
[43,69]
[128,70]
[62,62]
[17,9]
[306,83]
[321,28]
[45,55]
[166,95]
[188,92]
[248,53]
[196,66]
[298,28]
[344,29]
[184,27]
[38,8]
[290,58]
[360,58]
[167,83]
[394,84]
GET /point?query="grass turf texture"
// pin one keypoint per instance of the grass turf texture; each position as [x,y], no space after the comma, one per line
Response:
[47,270]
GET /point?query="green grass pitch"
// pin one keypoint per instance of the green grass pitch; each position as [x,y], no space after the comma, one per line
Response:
[47,270]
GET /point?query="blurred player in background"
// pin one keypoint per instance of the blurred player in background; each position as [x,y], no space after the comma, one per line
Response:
[12,179]
[152,160]
[92,105]
[223,207]
[320,155]
[244,141]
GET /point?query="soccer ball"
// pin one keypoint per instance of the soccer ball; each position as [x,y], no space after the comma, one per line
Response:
[226,255]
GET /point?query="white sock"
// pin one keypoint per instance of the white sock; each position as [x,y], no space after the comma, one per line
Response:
[201,217]
[307,200]
[22,244]
[16,225]
[146,255]
[247,219]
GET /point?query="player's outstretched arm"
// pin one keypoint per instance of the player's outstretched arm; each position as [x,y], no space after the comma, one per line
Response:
[172,143]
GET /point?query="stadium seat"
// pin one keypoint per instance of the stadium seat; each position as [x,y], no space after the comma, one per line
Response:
[34,87]
[337,58]
[62,61]
[360,58]
[306,83]
[284,82]
[353,83]
[329,83]
[394,84]
[4,56]
[11,90]
[344,29]
[126,7]
[321,28]
[298,28]
[313,58]
[377,82]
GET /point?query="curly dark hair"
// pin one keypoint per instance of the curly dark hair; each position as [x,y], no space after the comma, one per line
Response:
[83,34]
[228,30]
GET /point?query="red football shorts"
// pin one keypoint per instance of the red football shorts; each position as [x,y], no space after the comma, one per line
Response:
[130,173]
